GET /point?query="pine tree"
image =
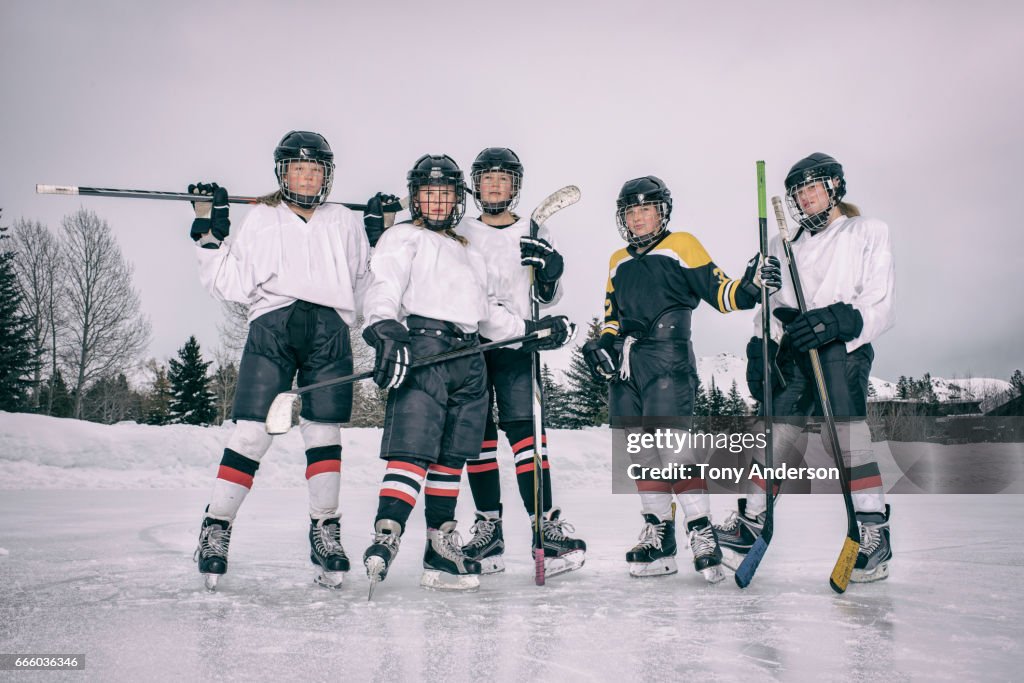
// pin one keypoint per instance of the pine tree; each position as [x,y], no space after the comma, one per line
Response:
[18,359]
[61,404]
[157,410]
[192,402]
[927,391]
[1017,381]
[586,396]
[734,403]
[903,387]
[554,399]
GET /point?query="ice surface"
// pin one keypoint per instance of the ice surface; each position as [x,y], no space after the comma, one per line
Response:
[100,565]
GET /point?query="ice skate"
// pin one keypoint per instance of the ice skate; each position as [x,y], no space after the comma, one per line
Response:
[707,555]
[737,534]
[562,553]
[378,557]
[212,551]
[445,566]
[487,546]
[875,551]
[655,554]
[326,552]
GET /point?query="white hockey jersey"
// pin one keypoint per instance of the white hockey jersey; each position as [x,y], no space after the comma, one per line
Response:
[500,247]
[275,258]
[850,261]
[420,272]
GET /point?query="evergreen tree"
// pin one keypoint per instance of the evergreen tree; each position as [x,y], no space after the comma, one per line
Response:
[1017,381]
[872,392]
[18,358]
[111,399]
[927,391]
[157,407]
[61,404]
[734,403]
[903,387]
[554,399]
[586,396]
[192,401]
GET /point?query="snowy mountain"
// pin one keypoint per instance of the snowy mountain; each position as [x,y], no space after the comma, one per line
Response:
[725,368]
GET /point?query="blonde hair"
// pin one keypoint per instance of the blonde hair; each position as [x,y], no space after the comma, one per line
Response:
[447,232]
[849,210]
[272,199]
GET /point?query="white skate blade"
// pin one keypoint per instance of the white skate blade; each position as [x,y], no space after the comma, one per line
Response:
[434,579]
[877,574]
[327,579]
[660,567]
[492,565]
[569,562]
[731,558]
[210,581]
[713,574]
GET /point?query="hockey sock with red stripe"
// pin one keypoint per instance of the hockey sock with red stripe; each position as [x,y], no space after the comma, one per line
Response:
[401,486]
[520,435]
[483,475]
[323,477]
[442,493]
[234,480]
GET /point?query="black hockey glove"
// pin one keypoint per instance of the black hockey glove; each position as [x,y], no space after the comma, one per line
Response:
[562,331]
[380,215]
[768,270]
[755,366]
[819,326]
[600,357]
[543,257]
[390,340]
[212,224]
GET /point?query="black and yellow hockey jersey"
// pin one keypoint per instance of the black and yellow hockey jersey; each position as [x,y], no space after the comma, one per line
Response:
[674,273]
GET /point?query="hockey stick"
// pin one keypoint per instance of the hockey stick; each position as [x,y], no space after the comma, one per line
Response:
[840,577]
[279,417]
[745,572]
[567,196]
[174,196]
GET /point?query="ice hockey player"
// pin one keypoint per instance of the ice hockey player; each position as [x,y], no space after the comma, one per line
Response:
[504,239]
[654,284]
[301,267]
[847,273]
[431,294]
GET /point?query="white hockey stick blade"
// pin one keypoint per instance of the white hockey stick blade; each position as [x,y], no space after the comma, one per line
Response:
[558,200]
[56,189]
[279,417]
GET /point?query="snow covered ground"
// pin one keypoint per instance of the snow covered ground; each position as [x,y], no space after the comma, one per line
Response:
[98,525]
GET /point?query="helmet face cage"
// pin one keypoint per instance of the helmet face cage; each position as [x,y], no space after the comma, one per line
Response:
[308,147]
[817,221]
[438,172]
[497,160]
[664,211]
[304,200]
[495,208]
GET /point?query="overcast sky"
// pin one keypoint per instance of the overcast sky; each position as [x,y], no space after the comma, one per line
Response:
[920,101]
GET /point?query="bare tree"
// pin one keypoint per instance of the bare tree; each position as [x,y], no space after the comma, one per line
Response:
[106,330]
[40,276]
[234,329]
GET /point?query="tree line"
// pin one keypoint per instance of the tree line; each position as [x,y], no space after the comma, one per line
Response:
[72,332]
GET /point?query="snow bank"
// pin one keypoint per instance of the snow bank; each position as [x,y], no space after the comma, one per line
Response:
[39,452]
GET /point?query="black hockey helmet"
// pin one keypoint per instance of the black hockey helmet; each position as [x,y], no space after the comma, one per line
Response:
[437,169]
[497,159]
[301,145]
[815,168]
[646,190]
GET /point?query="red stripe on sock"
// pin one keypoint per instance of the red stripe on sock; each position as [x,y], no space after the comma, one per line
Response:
[866,483]
[761,483]
[489,444]
[400,495]
[528,443]
[408,467]
[528,467]
[444,470]
[234,476]
[684,485]
[321,467]
[486,467]
[447,493]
